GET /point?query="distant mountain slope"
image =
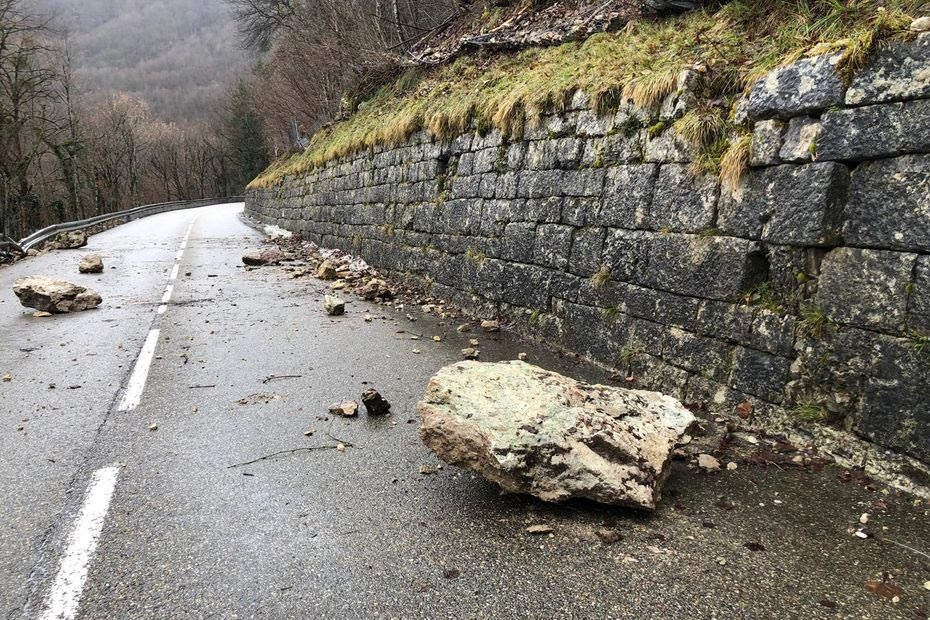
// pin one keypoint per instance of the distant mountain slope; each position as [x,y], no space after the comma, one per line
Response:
[178,55]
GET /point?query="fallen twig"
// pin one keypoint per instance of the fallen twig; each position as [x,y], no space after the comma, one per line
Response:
[287,452]
[271,378]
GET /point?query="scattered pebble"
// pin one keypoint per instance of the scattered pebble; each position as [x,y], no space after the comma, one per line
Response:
[522,357]
[153,427]
[470,353]
[731,466]
[540,528]
[490,326]
[864,518]
[708,463]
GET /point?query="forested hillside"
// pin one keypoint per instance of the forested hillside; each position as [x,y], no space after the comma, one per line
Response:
[178,56]
[108,104]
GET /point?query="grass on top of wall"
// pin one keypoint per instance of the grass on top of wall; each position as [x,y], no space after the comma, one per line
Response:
[736,44]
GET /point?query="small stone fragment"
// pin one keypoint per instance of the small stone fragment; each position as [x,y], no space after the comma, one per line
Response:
[921,24]
[341,447]
[338,285]
[347,409]
[55,296]
[326,271]
[92,263]
[261,258]
[426,470]
[491,326]
[374,403]
[41,314]
[731,466]
[417,351]
[369,318]
[522,357]
[470,353]
[7,378]
[153,427]
[474,342]
[864,518]
[334,306]
[437,338]
[463,328]
[708,463]
[539,529]
[608,536]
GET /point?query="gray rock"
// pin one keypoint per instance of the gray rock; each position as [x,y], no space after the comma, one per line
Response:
[627,195]
[669,147]
[787,204]
[55,296]
[801,140]
[518,241]
[918,308]
[533,431]
[873,132]
[888,204]
[706,267]
[806,86]
[682,202]
[766,143]
[587,246]
[259,258]
[334,306]
[92,263]
[895,73]
[760,374]
[866,288]
[553,245]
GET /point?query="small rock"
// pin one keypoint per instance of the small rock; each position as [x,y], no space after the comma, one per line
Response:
[334,306]
[426,470]
[471,353]
[309,433]
[539,529]
[374,403]
[56,296]
[341,447]
[153,427]
[731,466]
[338,285]
[522,357]
[7,378]
[326,271]
[41,314]
[417,351]
[376,289]
[921,24]
[92,263]
[463,328]
[708,463]
[474,342]
[927,585]
[864,518]
[347,409]
[369,318]
[491,326]
[260,258]
[437,338]
[608,536]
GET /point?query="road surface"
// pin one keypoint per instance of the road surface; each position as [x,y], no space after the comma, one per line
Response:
[122,430]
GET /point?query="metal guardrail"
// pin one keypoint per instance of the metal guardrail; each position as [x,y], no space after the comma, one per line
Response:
[128,215]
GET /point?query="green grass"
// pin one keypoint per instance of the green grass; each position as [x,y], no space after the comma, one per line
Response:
[733,46]
[811,412]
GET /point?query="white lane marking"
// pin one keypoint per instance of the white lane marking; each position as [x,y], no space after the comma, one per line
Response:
[65,595]
[167,296]
[140,373]
[179,255]
[174,271]
[162,309]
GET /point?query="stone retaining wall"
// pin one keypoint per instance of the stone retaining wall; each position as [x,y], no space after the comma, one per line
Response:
[802,293]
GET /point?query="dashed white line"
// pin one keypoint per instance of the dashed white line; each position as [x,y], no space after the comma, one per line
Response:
[174,271]
[169,290]
[140,373]
[65,595]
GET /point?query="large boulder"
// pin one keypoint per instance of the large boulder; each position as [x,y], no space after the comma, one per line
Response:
[260,258]
[57,296]
[534,431]
[71,240]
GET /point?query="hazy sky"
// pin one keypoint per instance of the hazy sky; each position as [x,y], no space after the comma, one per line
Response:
[179,55]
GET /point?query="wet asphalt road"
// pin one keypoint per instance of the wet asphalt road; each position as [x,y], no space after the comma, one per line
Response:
[247,363]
